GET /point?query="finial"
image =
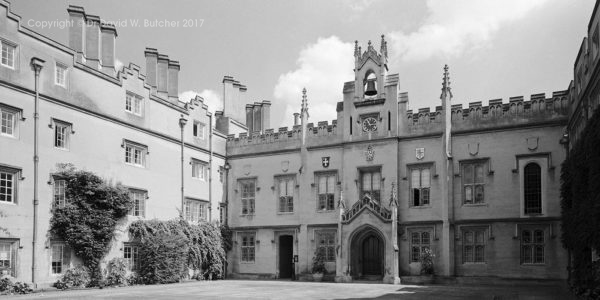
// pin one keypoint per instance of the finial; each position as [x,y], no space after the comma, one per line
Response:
[383,46]
[446,82]
[369,43]
[356,49]
[304,106]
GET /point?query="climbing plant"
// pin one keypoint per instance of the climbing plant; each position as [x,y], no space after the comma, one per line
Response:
[203,245]
[580,204]
[89,217]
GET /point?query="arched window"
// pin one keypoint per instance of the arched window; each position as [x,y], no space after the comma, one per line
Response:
[532,188]
[370,84]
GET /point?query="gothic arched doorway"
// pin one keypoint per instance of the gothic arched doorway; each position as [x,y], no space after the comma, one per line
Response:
[367,254]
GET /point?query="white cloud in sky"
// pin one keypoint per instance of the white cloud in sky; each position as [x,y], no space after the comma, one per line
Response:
[454,27]
[322,68]
[118,64]
[360,5]
[211,98]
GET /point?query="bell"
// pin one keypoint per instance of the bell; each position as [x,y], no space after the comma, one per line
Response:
[371,90]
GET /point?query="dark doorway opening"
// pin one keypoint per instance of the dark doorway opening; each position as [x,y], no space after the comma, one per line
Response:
[286,255]
[371,256]
[367,254]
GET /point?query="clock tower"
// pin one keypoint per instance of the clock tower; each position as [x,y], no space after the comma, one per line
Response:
[370,106]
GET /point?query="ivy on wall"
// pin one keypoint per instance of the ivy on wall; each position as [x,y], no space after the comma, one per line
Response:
[169,248]
[580,204]
[88,220]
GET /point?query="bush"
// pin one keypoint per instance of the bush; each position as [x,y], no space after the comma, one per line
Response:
[21,288]
[117,272]
[5,284]
[318,265]
[426,260]
[163,259]
[134,279]
[79,276]
[88,220]
[8,287]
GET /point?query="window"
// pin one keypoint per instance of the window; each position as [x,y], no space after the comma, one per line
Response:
[371,184]
[326,243]
[199,169]
[135,154]
[247,247]
[420,241]
[62,133]
[325,191]
[60,77]
[199,129]
[532,175]
[195,210]
[532,246]
[8,185]
[248,188]
[9,116]
[8,54]
[7,257]
[60,258]
[420,182]
[133,103]
[286,194]
[139,203]
[474,246]
[131,256]
[473,183]
[60,186]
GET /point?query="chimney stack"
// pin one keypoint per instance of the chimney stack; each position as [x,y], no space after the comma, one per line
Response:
[77,31]
[173,81]
[234,99]
[162,75]
[108,33]
[296,119]
[250,117]
[92,41]
[151,55]
[266,114]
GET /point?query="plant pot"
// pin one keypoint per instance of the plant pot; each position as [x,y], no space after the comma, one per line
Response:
[317,277]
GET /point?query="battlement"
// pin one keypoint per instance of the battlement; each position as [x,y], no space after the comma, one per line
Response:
[496,113]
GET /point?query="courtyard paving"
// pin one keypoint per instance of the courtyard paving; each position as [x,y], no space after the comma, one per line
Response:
[289,290]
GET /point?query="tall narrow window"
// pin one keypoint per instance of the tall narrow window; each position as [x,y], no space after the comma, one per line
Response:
[247,247]
[139,203]
[532,188]
[60,258]
[134,103]
[420,180]
[135,154]
[60,76]
[199,169]
[8,55]
[326,190]
[248,192]
[60,186]
[198,129]
[389,120]
[473,183]
[62,132]
[131,256]
[420,241]
[532,246]
[7,258]
[286,193]
[326,244]
[474,246]
[9,121]
[195,210]
[371,184]
[8,185]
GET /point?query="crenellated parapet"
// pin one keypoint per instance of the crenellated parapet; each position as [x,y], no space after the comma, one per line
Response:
[496,114]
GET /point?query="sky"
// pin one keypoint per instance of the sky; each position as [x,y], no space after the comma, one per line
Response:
[494,48]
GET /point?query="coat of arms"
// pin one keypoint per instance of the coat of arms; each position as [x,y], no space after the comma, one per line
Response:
[370,153]
[420,153]
[325,161]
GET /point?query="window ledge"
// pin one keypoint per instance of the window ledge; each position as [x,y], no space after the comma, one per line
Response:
[8,136]
[420,207]
[324,211]
[475,263]
[247,215]
[247,262]
[475,204]
[134,165]
[533,265]
[285,213]
[8,203]
[62,149]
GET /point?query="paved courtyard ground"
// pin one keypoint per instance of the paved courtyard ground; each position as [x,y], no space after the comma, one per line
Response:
[288,290]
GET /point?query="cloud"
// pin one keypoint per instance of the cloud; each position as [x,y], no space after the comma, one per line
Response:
[211,98]
[118,64]
[360,5]
[322,68]
[455,27]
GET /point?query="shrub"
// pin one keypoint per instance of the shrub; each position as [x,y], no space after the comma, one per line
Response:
[426,260]
[78,276]
[203,242]
[134,279]
[117,272]
[163,259]
[8,287]
[5,284]
[318,265]
[88,220]
[21,288]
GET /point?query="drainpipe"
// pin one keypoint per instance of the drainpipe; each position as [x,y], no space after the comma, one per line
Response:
[182,122]
[565,142]
[37,65]
[210,169]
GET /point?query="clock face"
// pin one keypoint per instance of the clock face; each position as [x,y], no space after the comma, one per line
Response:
[369,124]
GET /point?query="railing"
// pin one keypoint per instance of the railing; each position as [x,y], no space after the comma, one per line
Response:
[367,203]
